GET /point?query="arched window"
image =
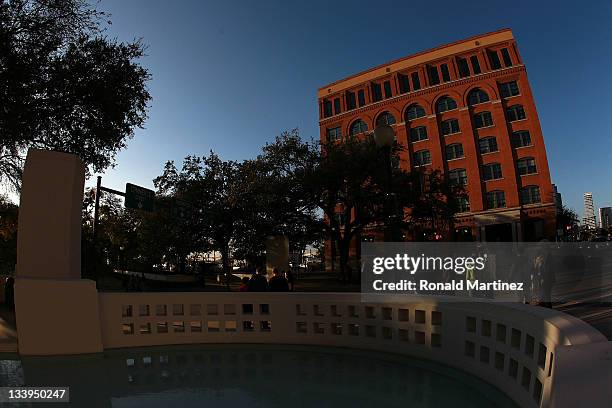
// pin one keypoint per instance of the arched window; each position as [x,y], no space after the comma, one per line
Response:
[530,195]
[414,111]
[359,126]
[526,165]
[515,112]
[454,151]
[385,118]
[445,103]
[477,96]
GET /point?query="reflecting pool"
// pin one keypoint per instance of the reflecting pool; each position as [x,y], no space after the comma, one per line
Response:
[252,376]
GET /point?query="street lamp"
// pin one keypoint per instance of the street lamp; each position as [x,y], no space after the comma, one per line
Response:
[384,137]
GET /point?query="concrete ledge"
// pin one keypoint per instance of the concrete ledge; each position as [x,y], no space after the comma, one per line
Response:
[59,316]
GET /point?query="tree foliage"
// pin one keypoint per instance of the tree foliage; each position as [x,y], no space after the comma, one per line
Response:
[64,85]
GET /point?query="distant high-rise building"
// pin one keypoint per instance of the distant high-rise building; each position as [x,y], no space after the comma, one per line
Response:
[605,217]
[589,212]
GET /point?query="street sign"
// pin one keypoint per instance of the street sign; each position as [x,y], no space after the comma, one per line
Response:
[139,198]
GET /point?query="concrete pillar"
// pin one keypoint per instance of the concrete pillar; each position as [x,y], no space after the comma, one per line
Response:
[56,310]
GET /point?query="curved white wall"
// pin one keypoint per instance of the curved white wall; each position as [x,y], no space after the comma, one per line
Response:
[511,346]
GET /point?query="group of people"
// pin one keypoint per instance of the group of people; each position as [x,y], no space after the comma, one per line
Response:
[281,281]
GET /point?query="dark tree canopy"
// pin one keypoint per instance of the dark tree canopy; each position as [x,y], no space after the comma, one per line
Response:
[64,85]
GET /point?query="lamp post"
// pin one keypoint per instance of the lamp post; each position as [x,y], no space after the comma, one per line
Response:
[384,137]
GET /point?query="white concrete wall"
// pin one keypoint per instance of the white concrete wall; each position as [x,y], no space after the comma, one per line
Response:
[446,332]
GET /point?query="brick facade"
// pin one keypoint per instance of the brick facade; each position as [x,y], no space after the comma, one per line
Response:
[391,88]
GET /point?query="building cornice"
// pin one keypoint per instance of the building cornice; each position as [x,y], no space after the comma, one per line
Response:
[425,91]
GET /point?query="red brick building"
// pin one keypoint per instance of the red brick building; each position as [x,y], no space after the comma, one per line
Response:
[467,109]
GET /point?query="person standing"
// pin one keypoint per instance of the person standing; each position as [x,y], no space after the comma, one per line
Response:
[278,283]
[290,279]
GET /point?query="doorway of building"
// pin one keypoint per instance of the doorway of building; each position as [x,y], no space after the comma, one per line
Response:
[498,233]
[533,230]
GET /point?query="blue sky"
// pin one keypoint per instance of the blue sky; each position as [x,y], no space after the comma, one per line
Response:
[231,75]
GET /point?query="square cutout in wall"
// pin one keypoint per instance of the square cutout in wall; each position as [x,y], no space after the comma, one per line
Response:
[419,316]
[126,311]
[178,327]
[178,310]
[145,328]
[436,318]
[195,310]
[229,309]
[161,310]
[127,328]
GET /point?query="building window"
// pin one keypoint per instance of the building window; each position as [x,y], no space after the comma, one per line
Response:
[496,199]
[418,133]
[515,112]
[361,97]
[463,204]
[526,165]
[351,102]
[477,96]
[387,88]
[359,126]
[506,57]
[334,134]
[416,82]
[422,157]
[449,127]
[464,69]
[487,145]
[491,171]
[445,73]
[530,195]
[454,151]
[327,108]
[445,103]
[521,138]
[458,177]
[404,83]
[385,118]
[376,92]
[434,78]
[336,106]
[414,111]
[508,89]
[483,119]
[494,59]
[475,64]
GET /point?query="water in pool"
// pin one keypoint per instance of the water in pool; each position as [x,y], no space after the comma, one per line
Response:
[252,376]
